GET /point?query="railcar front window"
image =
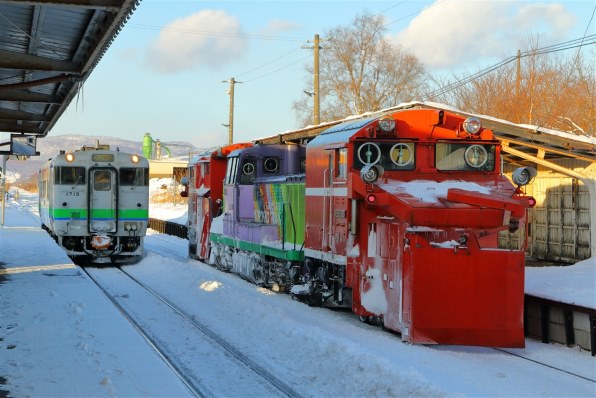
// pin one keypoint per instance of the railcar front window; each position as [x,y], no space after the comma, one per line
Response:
[69,175]
[134,177]
[102,180]
[391,155]
[465,156]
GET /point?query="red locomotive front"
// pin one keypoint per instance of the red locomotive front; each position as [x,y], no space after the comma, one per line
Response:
[403,218]
[204,189]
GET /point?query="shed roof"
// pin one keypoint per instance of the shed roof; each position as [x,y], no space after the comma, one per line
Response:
[47,50]
[548,143]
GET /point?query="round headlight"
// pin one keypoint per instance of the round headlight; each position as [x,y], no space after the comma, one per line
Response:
[524,175]
[476,156]
[69,157]
[371,173]
[135,158]
[387,124]
[472,125]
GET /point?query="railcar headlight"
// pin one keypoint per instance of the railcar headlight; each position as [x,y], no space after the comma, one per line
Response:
[70,157]
[371,173]
[130,226]
[387,124]
[135,158]
[472,125]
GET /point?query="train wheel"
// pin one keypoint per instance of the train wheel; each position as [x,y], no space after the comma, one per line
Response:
[366,319]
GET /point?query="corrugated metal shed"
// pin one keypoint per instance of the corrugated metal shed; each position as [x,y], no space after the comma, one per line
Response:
[47,50]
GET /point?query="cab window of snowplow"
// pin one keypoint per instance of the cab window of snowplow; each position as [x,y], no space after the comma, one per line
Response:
[457,156]
[69,175]
[137,177]
[392,156]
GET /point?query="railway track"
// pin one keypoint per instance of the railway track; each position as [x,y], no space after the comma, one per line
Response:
[159,245]
[204,378]
[545,306]
[509,352]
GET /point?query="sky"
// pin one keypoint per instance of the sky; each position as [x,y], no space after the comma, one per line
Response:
[168,70]
[59,336]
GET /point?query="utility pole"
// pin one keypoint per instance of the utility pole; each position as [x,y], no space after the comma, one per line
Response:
[231,117]
[518,75]
[316,109]
[316,102]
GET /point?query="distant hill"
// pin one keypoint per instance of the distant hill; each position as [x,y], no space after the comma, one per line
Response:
[50,146]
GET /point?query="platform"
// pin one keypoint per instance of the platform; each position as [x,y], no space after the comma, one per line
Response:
[59,335]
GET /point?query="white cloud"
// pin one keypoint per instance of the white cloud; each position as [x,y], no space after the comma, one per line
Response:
[454,32]
[207,38]
[277,26]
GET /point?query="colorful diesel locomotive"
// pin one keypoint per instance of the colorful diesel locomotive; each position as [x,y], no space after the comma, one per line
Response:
[94,203]
[396,217]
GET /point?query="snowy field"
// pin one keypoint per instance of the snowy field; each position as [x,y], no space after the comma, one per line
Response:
[83,348]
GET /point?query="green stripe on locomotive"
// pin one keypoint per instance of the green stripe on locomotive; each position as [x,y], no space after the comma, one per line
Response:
[281,204]
[288,253]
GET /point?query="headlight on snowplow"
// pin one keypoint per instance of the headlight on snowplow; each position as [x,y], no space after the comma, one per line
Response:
[472,125]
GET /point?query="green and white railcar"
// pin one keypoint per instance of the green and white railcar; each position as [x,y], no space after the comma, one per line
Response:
[94,202]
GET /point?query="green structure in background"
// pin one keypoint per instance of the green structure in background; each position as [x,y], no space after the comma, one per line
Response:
[148,148]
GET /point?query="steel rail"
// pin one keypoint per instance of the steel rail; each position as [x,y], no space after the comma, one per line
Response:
[544,364]
[196,390]
[256,368]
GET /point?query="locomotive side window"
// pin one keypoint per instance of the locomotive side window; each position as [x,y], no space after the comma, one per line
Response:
[248,170]
[271,165]
[391,155]
[341,157]
[69,175]
[232,170]
[134,177]
[465,156]
[102,180]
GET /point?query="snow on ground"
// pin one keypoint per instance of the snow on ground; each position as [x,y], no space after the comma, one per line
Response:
[60,337]
[572,284]
[174,210]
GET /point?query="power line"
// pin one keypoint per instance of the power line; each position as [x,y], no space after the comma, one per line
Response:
[268,62]
[412,14]
[277,70]
[584,41]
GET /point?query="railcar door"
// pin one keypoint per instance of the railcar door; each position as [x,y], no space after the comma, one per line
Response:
[103,201]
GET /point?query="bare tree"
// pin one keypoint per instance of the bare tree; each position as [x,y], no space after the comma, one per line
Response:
[361,71]
[542,89]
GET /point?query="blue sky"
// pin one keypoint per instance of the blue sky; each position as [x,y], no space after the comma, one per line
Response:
[163,74]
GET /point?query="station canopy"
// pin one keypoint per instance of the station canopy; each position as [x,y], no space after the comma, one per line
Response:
[47,50]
